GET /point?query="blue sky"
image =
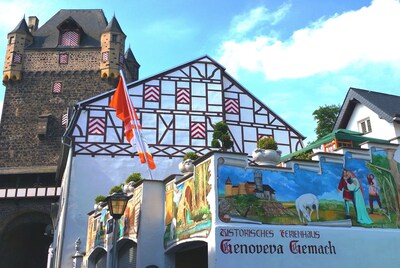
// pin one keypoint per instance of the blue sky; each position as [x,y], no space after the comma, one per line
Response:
[293,55]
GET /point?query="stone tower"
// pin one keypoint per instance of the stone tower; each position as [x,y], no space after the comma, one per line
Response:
[75,55]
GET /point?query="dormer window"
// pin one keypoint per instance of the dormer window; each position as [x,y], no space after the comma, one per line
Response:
[70,33]
[69,39]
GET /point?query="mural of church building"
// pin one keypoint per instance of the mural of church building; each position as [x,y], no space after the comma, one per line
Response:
[256,187]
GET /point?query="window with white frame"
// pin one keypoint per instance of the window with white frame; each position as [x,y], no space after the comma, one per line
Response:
[364,125]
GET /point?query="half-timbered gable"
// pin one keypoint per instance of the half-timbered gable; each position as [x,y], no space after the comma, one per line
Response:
[178,109]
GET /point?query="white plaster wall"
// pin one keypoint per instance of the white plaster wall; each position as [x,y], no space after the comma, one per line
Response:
[151,227]
[380,128]
[59,228]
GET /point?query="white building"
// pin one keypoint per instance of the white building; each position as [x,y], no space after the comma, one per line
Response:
[177,110]
[375,114]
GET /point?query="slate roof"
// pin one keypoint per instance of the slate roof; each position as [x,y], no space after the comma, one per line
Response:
[114,26]
[48,34]
[22,27]
[386,106]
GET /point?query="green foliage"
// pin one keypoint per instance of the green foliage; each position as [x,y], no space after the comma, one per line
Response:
[215,144]
[267,143]
[135,177]
[99,198]
[116,189]
[326,118]
[190,155]
[381,161]
[243,203]
[221,136]
[198,215]
[304,155]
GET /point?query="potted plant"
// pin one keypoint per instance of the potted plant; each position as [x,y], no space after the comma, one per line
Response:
[116,189]
[130,181]
[187,166]
[267,152]
[221,137]
[99,202]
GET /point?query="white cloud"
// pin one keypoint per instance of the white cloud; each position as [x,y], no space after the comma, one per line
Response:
[363,36]
[246,22]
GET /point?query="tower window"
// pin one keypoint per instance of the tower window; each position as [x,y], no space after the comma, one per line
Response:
[63,58]
[12,40]
[364,126]
[104,56]
[57,87]
[114,38]
[17,58]
[69,39]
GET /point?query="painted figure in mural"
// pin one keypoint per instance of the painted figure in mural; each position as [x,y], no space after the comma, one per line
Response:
[355,186]
[373,192]
[348,196]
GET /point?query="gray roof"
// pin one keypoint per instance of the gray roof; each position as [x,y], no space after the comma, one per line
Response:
[130,57]
[386,106]
[22,27]
[113,26]
[47,36]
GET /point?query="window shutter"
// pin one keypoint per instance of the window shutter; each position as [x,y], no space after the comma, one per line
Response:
[57,87]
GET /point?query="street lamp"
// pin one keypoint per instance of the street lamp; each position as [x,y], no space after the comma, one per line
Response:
[116,205]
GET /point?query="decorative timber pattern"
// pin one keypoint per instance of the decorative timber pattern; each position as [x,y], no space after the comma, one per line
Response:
[177,110]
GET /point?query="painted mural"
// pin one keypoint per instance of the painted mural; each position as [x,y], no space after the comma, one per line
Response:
[354,192]
[187,210]
[100,227]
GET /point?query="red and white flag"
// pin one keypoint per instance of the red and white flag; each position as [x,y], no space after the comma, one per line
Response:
[125,111]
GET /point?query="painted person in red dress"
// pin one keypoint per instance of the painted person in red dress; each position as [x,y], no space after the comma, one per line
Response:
[348,196]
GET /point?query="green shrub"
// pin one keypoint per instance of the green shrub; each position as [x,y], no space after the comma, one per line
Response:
[190,155]
[267,143]
[99,198]
[135,177]
[116,189]
[221,137]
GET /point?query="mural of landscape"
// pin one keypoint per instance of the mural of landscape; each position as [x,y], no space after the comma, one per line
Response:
[355,192]
[187,212]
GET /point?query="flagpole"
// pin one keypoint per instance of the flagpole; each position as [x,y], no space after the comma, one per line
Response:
[134,116]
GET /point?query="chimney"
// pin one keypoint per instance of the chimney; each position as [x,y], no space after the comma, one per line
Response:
[33,23]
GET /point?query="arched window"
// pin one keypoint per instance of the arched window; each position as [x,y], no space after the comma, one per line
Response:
[69,39]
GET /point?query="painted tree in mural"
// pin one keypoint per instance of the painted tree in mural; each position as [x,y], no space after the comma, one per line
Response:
[388,175]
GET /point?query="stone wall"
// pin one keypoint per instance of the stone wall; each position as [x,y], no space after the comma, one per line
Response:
[26,100]
[48,60]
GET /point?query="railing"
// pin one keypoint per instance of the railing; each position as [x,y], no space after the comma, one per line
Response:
[336,144]
[31,192]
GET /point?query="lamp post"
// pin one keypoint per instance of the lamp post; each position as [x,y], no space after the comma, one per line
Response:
[116,205]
